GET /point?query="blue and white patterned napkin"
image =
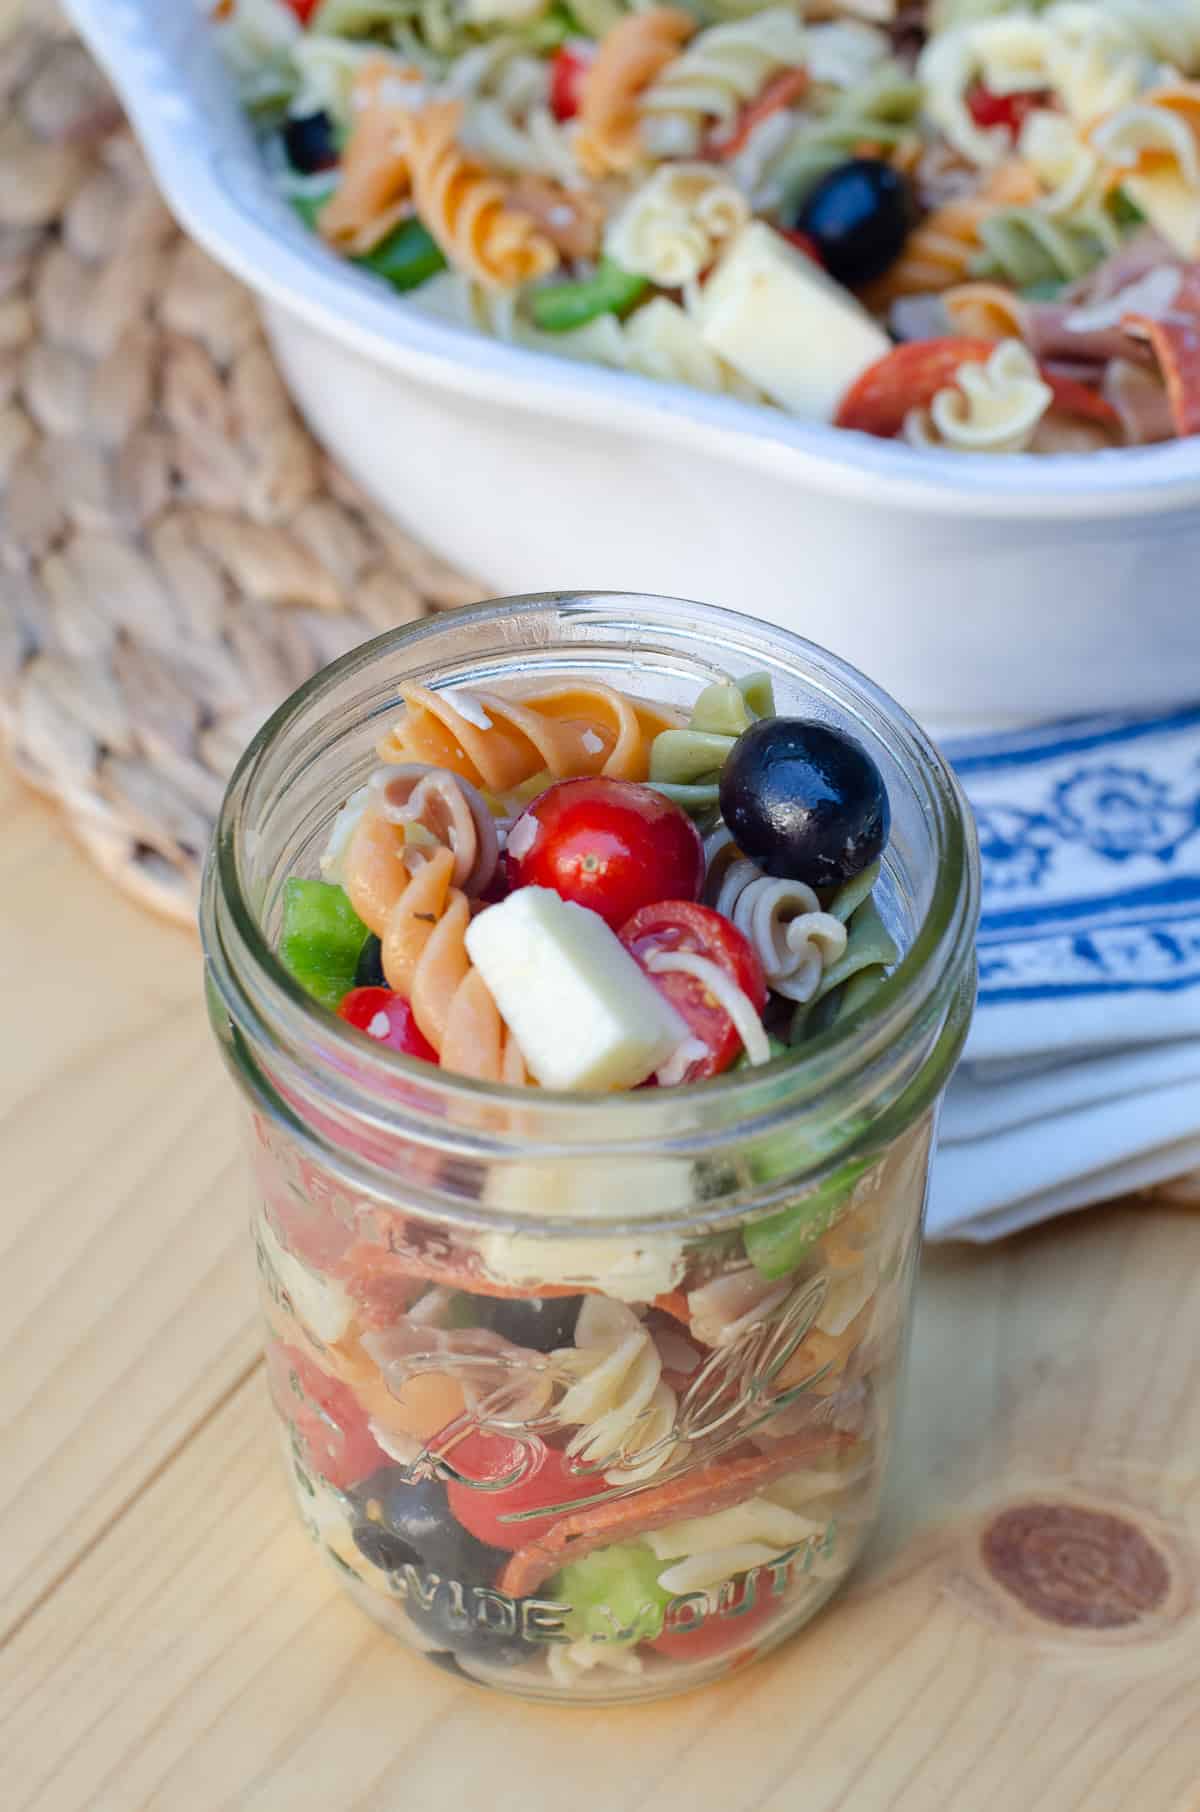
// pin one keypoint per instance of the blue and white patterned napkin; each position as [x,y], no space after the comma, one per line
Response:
[1081,1077]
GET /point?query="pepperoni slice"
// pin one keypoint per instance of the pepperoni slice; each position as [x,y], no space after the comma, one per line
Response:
[701,1493]
[1176,344]
[1073,398]
[384,1283]
[907,377]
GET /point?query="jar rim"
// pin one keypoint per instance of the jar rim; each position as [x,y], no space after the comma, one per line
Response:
[929,974]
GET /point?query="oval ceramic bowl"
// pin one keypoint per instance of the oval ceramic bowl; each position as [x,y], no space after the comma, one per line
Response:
[973,589]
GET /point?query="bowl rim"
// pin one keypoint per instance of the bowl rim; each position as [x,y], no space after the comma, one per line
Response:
[250,231]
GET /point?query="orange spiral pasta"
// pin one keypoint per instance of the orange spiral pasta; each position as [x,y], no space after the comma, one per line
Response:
[372,195]
[940,251]
[467,208]
[630,56]
[573,729]
[421,920]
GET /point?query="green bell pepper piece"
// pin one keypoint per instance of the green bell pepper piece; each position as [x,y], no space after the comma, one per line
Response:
[408,257]
[322,939]
[559,307]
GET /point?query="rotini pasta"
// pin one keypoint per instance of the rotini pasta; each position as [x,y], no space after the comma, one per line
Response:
[686,764]
[631,55]
[791,151]
[703,1551]
[795,940]
[673,227]
[1152,149]
[577,728]
[662,341]
[421,919]
[374,180]
[942,250]
[718,72]
[618,1402]
[466,208]
[1026,246]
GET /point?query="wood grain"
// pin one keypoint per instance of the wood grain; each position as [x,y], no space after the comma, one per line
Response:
[126,1287]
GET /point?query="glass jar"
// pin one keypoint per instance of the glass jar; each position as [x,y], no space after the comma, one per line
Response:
[587,1397]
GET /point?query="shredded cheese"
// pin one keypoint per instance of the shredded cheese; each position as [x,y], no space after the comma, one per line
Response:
[724,990]
[468,706]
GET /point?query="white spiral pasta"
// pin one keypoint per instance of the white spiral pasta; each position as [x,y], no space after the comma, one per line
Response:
[845,52]
[1092,59]
[660,340]
[621,1408]
[507,119]
[672,227]
[793,938]
[1067,167]
[328,67]
[703,1551]
[990,408]
[718,73]
[257,41]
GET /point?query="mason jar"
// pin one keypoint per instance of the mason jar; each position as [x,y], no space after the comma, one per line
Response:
[586,1397]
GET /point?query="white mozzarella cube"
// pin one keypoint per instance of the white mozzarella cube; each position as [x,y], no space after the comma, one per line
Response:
[785,325]
[582,1011]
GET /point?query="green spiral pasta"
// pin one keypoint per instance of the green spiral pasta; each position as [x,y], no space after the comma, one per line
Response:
[870,951]
[686,764]
[1024,246]
[944,14]
[879,111]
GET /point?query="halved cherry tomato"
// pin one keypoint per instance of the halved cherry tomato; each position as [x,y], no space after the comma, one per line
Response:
[1007,110]
[568,67]
[907,377]
[718,1633]
[325,1416]
[388,1019]
[609,844]
[543,1481]
[681,925]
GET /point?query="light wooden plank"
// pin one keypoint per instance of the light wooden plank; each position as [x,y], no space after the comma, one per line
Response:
[199,1659]
[126,1294]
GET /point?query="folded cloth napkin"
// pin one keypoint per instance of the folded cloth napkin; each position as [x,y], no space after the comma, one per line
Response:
[1081,1076]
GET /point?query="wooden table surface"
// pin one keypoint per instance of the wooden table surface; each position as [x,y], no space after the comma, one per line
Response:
[170,1640]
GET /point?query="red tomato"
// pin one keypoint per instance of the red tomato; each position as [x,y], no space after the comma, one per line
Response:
[1007,110]
[568,67]
[388,1019]
[680,925]
[802,243]
[325,1416]
[547,1483]
[303,9]
[608,844]
[717,1634]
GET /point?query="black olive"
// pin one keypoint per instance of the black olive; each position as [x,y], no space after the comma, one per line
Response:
[310,143]
[858,217]
[409,1523]
[539,1322]
[804,801]
[369,973]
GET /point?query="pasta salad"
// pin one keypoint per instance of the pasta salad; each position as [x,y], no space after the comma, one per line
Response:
[572,1466]
[969,224]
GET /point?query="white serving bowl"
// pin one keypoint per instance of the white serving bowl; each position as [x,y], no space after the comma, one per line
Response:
[973,589]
